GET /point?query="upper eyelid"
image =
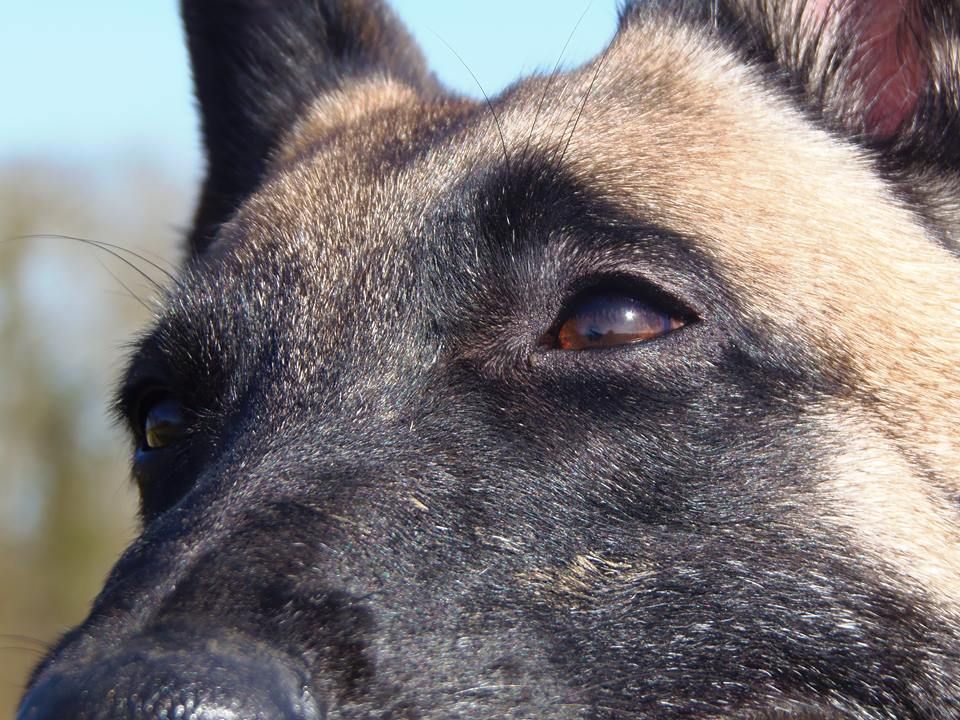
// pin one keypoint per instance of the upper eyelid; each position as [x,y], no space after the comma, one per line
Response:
[630,284]
[146,368]
[129,398]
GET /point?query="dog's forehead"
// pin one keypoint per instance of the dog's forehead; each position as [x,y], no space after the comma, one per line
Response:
[673,129]
[352,178]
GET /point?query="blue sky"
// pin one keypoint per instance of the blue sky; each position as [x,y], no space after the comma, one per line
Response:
[93,83]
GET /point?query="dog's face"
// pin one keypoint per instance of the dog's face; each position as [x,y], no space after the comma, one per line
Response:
[630,394]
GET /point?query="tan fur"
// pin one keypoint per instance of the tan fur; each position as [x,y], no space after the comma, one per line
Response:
[352,106]
[584,575]
[893,513]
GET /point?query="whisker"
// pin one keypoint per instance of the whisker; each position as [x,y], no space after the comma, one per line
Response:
[104,245]
[13,637]
[126,287]
[493,112]
[32,651]
[586,97]
[115,251]
[553,76]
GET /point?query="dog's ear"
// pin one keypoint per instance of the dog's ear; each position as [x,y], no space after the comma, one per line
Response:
[258,63]
[886,72]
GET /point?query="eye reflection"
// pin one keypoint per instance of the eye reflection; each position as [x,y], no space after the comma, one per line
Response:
[612,319]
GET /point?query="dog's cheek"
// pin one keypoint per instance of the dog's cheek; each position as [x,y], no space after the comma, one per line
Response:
[905,521]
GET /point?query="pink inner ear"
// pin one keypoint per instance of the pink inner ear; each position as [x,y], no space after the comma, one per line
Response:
[887,68]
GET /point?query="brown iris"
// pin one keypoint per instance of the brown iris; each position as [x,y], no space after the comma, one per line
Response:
[611,319]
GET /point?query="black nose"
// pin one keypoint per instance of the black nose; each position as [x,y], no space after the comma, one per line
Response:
[164,680]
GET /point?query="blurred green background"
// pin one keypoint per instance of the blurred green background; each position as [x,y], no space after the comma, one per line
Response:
[98,141]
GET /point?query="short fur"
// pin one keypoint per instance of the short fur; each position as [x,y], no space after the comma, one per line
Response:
[396,497]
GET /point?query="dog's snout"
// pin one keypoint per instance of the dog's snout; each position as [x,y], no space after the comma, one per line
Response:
[221,679]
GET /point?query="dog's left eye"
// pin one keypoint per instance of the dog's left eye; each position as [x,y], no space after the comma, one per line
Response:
[609,319]
[161,421]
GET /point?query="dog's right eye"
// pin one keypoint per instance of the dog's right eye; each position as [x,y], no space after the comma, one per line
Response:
[160,420]
[608,317]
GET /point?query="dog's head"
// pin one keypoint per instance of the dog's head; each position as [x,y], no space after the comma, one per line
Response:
[632,393]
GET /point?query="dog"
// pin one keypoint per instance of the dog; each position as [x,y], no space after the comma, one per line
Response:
[631,393]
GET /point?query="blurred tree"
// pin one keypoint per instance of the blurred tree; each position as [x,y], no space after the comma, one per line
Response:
[67,509]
